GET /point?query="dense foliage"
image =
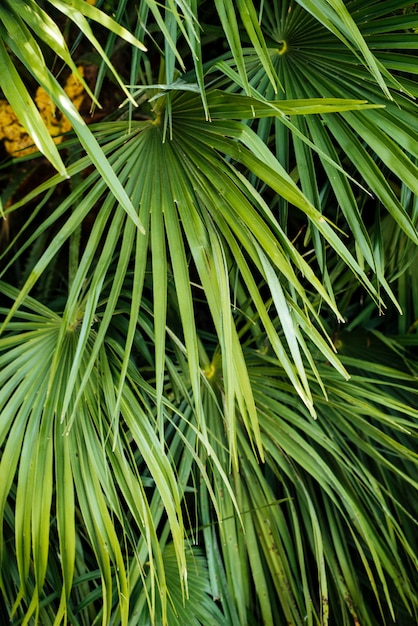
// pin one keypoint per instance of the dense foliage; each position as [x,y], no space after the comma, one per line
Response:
[209,300]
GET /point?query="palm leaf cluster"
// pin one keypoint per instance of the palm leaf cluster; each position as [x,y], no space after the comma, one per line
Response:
[208,343]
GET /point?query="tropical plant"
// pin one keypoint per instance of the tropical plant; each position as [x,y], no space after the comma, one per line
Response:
[208,366]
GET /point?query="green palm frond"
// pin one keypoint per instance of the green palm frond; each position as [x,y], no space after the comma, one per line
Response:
[198,609]
[172,182]
[328,509]
[91,470]
[205,418]
[312,61]
[15,29]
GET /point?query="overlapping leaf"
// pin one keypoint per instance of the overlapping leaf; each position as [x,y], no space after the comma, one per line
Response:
[161,392]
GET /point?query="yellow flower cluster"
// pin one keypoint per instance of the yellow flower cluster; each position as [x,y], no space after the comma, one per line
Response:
[16,140]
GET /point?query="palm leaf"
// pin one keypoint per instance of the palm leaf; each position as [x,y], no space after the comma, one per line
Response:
[181,192]
[307,69]
[13,34]
[159,394]
[303,452]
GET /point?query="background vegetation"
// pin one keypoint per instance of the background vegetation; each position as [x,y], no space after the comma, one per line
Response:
[209,297]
